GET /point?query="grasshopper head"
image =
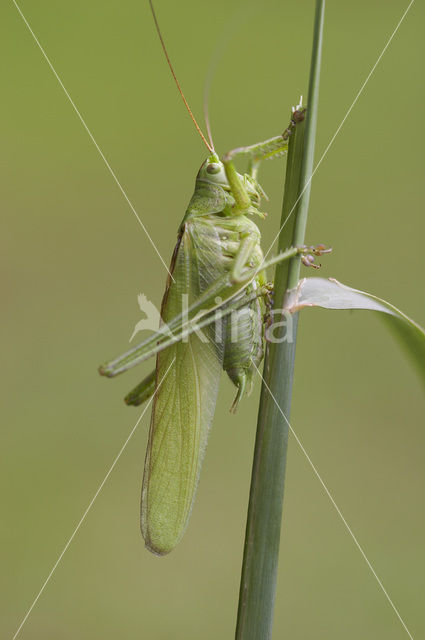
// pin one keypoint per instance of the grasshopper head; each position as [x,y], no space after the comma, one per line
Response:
[212,171]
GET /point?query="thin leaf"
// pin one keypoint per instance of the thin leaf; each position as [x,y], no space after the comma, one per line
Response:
[331,294]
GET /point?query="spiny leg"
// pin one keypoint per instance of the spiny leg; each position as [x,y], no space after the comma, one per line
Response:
[202,313]
[272,148]
[316,250]
[241,275]
[223,290]
[182,327]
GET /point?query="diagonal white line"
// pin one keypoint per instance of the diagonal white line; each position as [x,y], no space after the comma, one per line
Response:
[338,510]
[45,583]
[111,171]
[341,123]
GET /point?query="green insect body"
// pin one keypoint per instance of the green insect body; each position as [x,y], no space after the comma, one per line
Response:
[243,329]
[209,241]
[217,267]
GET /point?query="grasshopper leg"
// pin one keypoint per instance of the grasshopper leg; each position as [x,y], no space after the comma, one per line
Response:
[243,256]
[142,392]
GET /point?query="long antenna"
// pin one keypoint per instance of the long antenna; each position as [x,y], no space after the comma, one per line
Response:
[209,147]
[206,113]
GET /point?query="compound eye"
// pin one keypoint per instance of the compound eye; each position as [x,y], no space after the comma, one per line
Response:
[213,168]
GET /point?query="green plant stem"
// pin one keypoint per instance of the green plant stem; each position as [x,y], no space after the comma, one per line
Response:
[261,550]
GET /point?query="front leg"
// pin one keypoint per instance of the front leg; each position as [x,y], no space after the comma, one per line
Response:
[272,148]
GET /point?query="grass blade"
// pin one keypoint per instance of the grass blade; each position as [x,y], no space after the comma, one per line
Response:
[261,551]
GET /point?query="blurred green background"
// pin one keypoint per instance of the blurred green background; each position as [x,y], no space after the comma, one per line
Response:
[74,258]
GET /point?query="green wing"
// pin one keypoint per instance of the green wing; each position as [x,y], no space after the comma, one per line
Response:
[188,375]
